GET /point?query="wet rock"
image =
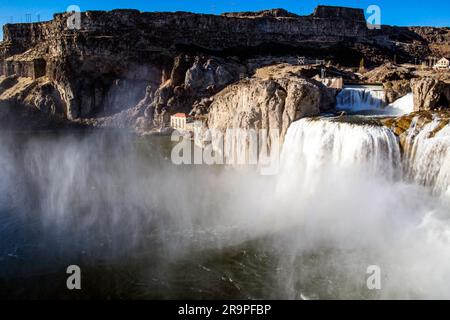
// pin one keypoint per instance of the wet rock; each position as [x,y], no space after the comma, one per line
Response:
[406,127]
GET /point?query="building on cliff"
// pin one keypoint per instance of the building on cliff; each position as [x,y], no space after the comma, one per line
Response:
[442,64]
[180,121]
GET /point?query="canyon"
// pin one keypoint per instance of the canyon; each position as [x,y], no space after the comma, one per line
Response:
[131,69]
[363,180]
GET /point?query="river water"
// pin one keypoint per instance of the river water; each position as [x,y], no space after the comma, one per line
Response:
[140,227]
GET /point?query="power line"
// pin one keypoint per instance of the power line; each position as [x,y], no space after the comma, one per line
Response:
[27,18]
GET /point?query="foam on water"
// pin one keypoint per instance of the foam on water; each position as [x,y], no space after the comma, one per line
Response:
[343,185]
[342,203]
[361,99]
[428,153]
[402,105]
[313,147]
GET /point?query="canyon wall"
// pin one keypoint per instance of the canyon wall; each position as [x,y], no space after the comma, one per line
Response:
[126,64]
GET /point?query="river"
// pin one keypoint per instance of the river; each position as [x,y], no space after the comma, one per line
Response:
[140,227]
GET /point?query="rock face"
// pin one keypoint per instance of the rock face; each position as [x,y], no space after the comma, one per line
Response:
[272,99]
[396,89]
[407,127]
[192,80]
[389,72]
[176,62]
[430,94]
[429,87]
[275,13]
[395,79]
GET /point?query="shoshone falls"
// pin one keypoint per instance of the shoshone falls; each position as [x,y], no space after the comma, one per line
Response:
[350,195]
[357,207]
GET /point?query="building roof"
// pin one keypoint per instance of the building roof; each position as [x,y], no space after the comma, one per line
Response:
[180,115]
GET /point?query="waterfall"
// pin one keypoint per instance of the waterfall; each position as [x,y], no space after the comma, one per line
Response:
[347,185]
[428,155]
[402,105]
[361,98]
[314,149]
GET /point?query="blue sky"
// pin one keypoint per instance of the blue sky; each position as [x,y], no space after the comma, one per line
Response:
[413,12]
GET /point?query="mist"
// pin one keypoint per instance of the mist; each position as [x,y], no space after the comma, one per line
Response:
[115,204]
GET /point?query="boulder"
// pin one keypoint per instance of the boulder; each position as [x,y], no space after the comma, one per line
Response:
[272,99]
[430,94]
[396,89]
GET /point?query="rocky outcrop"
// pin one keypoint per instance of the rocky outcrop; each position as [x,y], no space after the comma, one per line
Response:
[430,88]
[395,79]
[437,38]
[40,95]
[98,74]
[407,127]
[274,13]
[430,94]
[125,65]
[193,80]
[389,72]
[272,99]
[396,89]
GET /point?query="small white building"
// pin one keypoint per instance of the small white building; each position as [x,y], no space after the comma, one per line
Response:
[442,64]
[336,83]
[179,121]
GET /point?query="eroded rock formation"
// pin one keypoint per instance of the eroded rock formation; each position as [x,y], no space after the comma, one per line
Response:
[430,94]
[272,99]
[126,67]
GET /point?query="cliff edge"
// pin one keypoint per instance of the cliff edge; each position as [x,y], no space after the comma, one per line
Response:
[124,65]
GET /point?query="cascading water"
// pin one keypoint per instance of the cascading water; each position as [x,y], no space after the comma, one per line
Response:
[402,105]
[343,185]
[361,98]
[120,210]
[312,147]
[428,155]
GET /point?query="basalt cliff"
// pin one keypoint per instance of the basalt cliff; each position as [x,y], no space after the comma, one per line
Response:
[125,68]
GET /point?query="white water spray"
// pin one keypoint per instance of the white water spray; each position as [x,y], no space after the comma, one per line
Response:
[342,185]
[428,155]
[402,105]
[361,98]
[314,147]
